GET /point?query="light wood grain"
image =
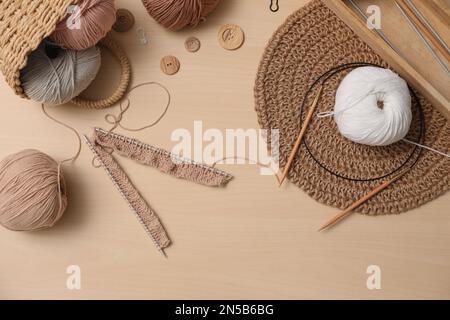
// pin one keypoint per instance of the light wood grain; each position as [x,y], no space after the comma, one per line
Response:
[439,9]
[251,240]
[429,36]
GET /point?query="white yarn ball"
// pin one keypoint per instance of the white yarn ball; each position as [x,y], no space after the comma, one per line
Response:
[59,76]
[373,107]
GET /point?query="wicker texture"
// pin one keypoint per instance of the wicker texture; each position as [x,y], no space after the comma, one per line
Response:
[23,26]
[312,41]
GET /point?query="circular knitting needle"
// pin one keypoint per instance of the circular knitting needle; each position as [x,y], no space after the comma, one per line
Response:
[301,135]
[359,202]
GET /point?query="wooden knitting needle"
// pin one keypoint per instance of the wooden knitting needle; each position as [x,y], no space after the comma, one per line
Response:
[359,202]
[300,136]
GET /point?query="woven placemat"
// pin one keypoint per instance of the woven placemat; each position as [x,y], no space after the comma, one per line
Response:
[310,42]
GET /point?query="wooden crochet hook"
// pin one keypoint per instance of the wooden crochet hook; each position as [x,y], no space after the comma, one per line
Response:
[300,136]
[359,202]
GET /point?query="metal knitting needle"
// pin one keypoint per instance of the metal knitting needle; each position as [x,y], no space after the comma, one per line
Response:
[426,32]
[301,134]
[91,147]
[422,37]
[379,32]
[428,24]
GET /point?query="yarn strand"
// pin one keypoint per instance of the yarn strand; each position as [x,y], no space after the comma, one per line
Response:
[71,159]
[116,121]
[77,153]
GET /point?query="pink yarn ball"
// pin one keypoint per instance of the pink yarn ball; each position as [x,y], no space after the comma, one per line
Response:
[177,14]
[88,22]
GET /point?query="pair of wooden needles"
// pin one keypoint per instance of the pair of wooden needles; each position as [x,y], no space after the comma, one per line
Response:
[343,214]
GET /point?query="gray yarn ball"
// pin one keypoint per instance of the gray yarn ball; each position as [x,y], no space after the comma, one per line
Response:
[55,76]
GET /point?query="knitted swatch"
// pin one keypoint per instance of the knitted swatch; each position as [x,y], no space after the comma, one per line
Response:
[104,143]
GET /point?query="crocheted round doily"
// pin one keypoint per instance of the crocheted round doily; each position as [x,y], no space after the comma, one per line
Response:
[312,41]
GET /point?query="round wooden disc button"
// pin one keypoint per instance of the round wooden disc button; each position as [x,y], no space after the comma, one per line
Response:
[170,65]
[124,20]
[192,44]
[231,37]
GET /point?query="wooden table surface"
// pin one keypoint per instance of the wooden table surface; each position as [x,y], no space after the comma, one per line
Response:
[251,240]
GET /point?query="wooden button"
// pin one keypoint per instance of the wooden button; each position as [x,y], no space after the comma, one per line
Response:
[170,65]
[192,44]
[231,37]
[124,20]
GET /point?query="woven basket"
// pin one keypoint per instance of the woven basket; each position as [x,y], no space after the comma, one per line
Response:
[24,24]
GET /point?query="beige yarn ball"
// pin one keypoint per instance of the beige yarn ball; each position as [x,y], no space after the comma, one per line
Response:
[30,196]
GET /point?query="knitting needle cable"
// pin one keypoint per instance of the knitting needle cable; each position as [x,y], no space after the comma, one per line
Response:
[398,172]
[340,216]
[409,157]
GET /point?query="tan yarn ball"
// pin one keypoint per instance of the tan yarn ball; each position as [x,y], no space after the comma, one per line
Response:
[177,14]
[30,196]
